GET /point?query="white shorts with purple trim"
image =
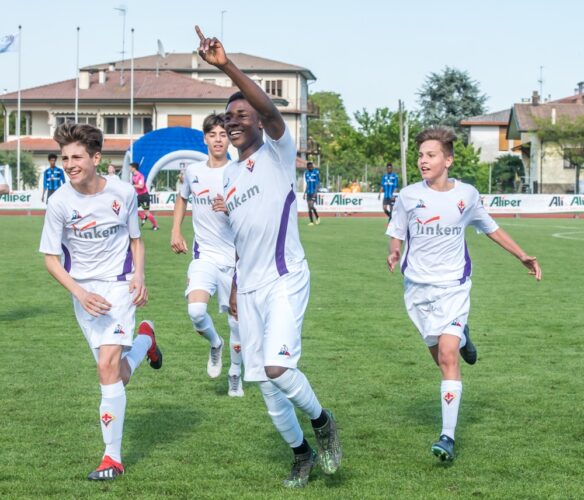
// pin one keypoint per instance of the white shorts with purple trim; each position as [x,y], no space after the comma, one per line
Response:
[114,328]
[435,310]
[270,323]
[211,278]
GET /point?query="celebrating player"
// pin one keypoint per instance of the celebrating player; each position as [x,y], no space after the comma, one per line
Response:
[213,262]
[312,179]
[272,275]
[139,184]
[92,222]
[432,215]
[388,186]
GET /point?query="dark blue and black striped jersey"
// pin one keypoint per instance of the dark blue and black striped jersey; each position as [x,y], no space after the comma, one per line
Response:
[53,178]
[389,184]
[312,178]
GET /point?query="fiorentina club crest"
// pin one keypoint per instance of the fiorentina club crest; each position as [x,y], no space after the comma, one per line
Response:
[449,397]
[461,206]
[116,207]
[284,351]
[107,418]
[249,164]
[237,348]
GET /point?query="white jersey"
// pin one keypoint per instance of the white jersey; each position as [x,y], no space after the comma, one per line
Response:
[213,236]
[433,224]
[93,232]
[260,197]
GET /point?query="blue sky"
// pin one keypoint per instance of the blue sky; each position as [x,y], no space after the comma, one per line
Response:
[371,52]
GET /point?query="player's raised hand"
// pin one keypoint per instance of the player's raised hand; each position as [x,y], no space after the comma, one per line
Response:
[533,266]
[211,49]
[178,243]
[94,304]
[219,205]
[138,288]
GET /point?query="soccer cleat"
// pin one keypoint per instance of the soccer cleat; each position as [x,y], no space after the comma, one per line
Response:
[469,351]
[444,448]
[329,447]
[301,468]
[108,469]
[311,223]
[155,228]
[143,221]
[317,221]
[235,386]
[215,362]
[154,354]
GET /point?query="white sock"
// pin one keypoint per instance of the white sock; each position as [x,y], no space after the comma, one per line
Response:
[450,393]
[282,414]
[112,411]
[234,346]
[297,389]
[203,323]
[137,354]
[462,341]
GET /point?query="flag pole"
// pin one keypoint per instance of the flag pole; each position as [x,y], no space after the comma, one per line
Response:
[132,99]
[18,179]
[77,81]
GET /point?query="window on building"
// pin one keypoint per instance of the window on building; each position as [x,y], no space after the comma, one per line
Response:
[89,120]
[503,142]
[25,123]
[142,124]
[115,125]
[274,87]
[179,121]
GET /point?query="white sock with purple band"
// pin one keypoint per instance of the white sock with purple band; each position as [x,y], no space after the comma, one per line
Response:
[282,414]
[234,346]
[112,411]
[294,384]
[203,323]
[450,394]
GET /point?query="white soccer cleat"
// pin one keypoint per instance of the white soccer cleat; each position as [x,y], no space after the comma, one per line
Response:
[235,386]
[215,362]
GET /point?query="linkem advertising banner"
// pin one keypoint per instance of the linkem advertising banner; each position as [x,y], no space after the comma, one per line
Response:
[349,202]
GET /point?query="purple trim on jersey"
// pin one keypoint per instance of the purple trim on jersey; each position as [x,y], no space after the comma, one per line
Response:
[196,252]
[405,263]
[281,241]
[127,265]
[467,265]
[67,263]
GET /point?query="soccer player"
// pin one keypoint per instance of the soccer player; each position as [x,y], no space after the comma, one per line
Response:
[273,280]
[388,186]
[53,177]
[92,223]
[139,184]
[312,179]
[213,264]
[432,216]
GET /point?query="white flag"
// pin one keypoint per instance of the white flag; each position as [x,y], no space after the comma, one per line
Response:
[9,43]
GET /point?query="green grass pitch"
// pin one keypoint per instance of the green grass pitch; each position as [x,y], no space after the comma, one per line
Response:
[520,432]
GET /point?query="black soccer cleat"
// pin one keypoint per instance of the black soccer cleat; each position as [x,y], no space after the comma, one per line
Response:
[444,448]
[469,351]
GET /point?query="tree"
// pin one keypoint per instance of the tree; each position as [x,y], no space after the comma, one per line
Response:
[28,170]
[448,97]
[506,173]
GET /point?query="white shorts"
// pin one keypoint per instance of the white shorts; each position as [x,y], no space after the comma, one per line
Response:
[211,278]
[114,328]
[270,323]
[436,310]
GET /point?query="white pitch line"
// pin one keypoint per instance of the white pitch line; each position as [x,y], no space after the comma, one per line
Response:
[568,235]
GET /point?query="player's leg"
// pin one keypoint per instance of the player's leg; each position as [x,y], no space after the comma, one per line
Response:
[234,373]
[391,203]
[386,208]
[144,346]
[310,204]
[152,220]
[317,218]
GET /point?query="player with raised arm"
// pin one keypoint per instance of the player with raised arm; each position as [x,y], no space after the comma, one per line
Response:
[273,280]
[312,180]
[213,264]
[92,223]
[431,216]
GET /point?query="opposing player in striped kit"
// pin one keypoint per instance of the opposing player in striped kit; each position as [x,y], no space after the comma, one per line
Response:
[92,222]
[431,216]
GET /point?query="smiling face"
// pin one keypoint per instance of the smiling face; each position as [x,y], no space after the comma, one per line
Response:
[80,166]
[217,142]
[244,128]
[432,162]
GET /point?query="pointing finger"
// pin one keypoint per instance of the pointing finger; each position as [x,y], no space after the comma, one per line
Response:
[199,33]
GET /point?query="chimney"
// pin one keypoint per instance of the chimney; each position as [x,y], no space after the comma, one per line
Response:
[102,77]
[84,80]
[111,67]
[535,98]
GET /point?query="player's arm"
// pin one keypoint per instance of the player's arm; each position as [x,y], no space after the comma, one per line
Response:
[137,283]
[177,241]
[212,51]
[45,182]
[93,303]
[395,246]
[502,238]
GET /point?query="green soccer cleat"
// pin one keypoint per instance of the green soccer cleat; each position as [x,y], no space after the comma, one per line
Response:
[329,447]
[444,448]
[469,351]
[301,468]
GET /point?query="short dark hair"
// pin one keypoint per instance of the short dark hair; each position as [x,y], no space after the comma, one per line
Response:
[86,135]
[52,156]
[235,97]
[444,135]
[309,164]
[212,121]
[389,164]
[135,165]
